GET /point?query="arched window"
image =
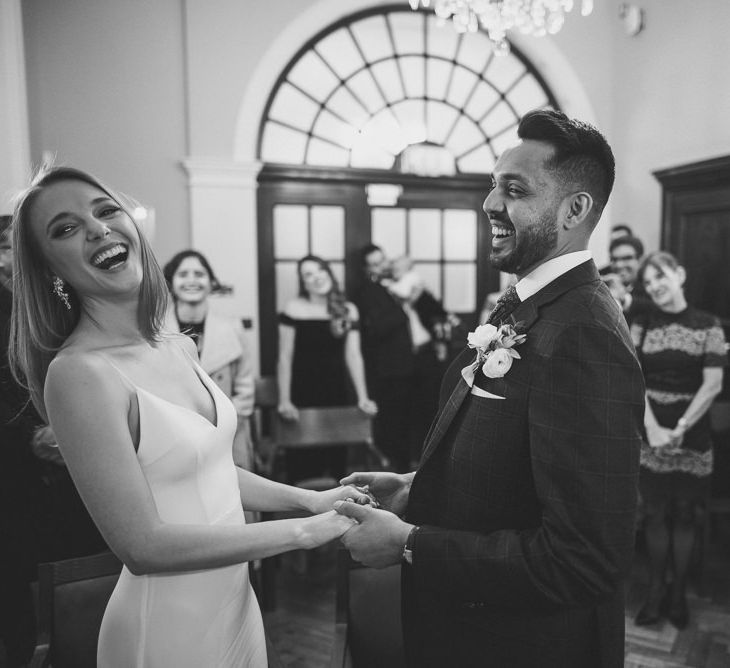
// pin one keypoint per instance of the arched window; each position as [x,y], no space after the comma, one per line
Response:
[364,90]
[382,129]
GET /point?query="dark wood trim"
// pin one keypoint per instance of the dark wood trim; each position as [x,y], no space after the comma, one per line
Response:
[705,172]
[272,173]
[680,182]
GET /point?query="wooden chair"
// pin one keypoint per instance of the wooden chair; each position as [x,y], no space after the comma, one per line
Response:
[337,426]
[72,597]
[368,629]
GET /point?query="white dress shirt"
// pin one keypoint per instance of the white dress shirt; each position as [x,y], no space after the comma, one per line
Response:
[548,271]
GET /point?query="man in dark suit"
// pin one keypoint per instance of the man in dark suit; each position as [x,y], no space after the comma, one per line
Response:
[518,526]
[402,371]
[626,253]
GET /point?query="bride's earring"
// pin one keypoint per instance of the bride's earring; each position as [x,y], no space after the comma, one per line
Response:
[58,290]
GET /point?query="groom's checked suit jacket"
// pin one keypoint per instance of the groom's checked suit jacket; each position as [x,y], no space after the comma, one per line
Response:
[527,503]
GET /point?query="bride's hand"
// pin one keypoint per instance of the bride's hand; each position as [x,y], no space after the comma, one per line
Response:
[324,501]
[322,528]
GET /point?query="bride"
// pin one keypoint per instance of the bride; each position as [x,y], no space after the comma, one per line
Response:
[146,434]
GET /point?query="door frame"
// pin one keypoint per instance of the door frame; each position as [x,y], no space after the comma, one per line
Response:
[287,184]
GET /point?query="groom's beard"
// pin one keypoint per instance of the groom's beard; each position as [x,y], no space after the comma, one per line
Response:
[532,243]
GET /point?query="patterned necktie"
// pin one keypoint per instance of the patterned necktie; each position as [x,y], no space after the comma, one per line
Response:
[504,306]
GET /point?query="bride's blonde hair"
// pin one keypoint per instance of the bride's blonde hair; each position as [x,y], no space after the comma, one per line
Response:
[40,322]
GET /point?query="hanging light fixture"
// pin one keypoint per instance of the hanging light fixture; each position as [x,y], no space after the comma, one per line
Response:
[496,17]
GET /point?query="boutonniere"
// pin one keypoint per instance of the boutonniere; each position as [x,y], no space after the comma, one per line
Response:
[495,348]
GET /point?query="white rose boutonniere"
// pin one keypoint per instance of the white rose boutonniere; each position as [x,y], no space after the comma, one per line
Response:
[495,348]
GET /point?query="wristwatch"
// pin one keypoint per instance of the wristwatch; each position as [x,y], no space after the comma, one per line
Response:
[408,547]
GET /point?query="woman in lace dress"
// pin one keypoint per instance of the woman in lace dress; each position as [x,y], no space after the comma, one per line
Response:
[682,351]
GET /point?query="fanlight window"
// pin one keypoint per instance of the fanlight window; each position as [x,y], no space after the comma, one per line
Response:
[365,90]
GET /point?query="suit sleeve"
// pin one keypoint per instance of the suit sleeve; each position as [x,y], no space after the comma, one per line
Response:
[585,411]
[380,316]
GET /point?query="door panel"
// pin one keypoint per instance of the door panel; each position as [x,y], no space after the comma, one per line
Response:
[437,222]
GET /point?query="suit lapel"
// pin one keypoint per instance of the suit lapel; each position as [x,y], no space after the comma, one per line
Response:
[524,316]
[452,405]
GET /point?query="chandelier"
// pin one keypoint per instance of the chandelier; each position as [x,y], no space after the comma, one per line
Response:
[496,17]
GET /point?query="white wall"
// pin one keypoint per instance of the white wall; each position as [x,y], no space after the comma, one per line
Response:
[106,93]
[671,101]
[14,147]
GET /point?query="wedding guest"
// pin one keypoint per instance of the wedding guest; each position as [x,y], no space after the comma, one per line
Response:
[220,340]
[43,518]
[426,313]
[626,253]
[401,365]
[620,230]
[146,434]
[19,488]
[682,352]
[517,529]
[320,363]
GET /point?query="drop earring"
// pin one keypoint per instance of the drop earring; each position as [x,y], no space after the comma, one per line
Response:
[58,290]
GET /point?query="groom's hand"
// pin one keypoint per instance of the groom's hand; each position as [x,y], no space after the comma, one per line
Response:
[389,489]
[378,538]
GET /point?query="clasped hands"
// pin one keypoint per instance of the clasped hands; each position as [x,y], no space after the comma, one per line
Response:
[377,535]
[665,439]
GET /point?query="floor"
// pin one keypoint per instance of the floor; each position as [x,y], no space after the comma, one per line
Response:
[301,627]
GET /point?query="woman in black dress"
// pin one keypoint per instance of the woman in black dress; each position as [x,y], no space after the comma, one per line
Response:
[682,352]
[320,363]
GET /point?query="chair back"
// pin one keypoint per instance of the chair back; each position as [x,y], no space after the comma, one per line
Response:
[333,426]
[72,597]
[368,628]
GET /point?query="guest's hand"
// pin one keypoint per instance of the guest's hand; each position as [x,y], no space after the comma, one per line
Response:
[658,437]
[367,406]
[320,529]
[676,437]
[389,489]
[323,501]
[43,445]
[288,410]
[378,538]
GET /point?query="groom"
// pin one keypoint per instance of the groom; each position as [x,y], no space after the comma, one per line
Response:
[518,525]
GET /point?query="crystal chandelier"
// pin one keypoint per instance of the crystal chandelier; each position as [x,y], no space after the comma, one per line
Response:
[496,17]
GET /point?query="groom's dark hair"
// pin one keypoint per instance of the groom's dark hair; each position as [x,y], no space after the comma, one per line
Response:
[582,155]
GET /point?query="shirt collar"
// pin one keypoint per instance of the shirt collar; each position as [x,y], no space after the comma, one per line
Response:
[548,271]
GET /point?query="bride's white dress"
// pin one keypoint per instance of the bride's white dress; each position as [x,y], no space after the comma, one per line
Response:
[194,619]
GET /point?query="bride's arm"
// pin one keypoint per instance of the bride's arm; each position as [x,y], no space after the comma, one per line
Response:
[259,493]
[88,409]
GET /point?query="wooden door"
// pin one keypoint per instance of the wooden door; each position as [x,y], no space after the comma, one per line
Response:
[437,222]
[696,230]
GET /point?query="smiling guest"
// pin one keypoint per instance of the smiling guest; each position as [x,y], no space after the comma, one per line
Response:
[320,363]
[220,341]
[146,435]
[518,526]
[682,353]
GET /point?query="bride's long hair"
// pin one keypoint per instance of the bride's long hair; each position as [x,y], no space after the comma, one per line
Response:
[40,322]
